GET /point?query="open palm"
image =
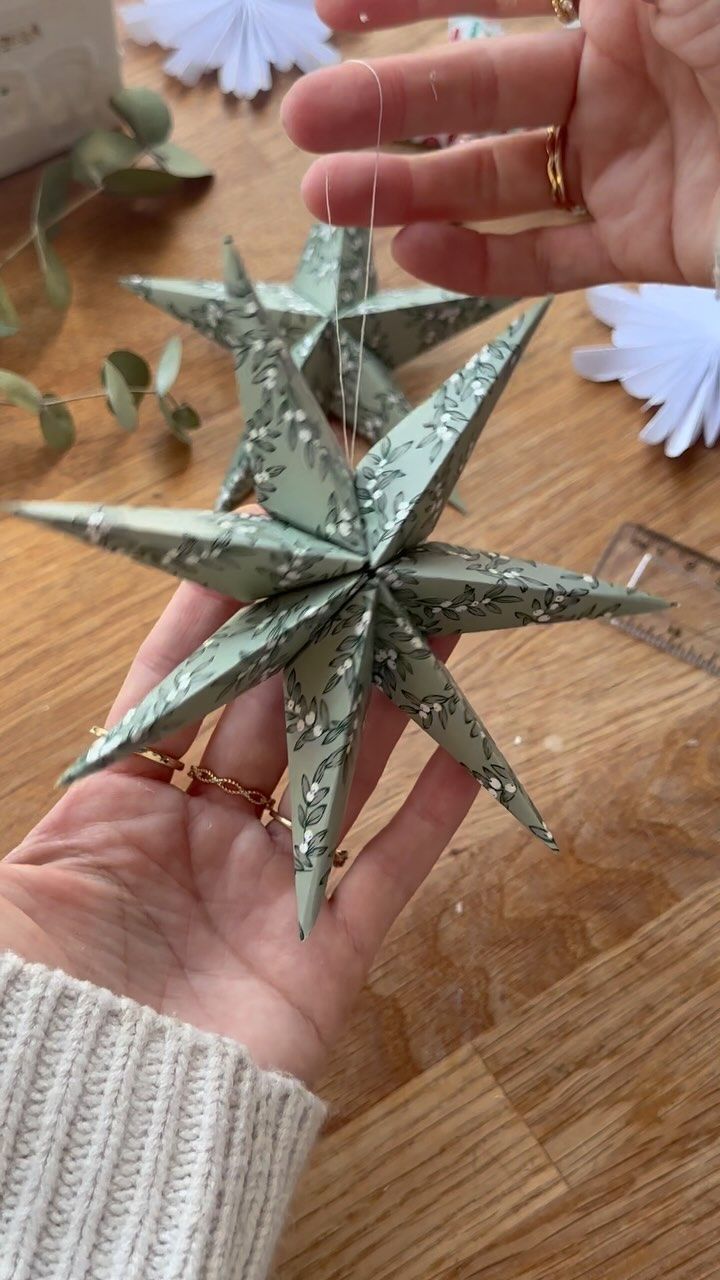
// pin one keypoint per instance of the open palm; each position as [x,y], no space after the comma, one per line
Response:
[639,90]
[185,902]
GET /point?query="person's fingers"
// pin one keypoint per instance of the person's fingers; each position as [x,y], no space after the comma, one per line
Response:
[530,263]
[370,15]
[496,178]
[384,726]
[249,745]
[487,86]
[394,864]
[192,615]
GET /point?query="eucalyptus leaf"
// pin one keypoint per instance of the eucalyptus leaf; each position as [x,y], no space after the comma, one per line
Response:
[147,114]
[140,182]
[57,425]
[169,366]
[100,153]
[179,419]
[179,162]
[58,284]
[119,397]
[134,370]
[187,418]
[167,409]
[51,197]
[19,391]
[9,321]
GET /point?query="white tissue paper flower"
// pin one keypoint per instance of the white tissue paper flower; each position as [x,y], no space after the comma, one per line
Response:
[240,39]
[666,351]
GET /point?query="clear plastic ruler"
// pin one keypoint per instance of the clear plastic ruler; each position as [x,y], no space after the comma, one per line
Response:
[639,557]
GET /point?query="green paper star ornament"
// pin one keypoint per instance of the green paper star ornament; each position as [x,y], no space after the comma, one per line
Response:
[321,311]
[345,589]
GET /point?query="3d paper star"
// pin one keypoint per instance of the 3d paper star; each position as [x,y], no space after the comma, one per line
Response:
[398,326]
[347,588]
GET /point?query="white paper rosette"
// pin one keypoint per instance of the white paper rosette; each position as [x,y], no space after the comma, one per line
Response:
[240,39]
[666,351]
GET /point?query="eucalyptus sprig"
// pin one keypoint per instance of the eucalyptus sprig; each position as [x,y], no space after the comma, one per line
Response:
[126,380]
[103,161]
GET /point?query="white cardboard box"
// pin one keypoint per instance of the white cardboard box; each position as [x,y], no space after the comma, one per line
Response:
[59,65]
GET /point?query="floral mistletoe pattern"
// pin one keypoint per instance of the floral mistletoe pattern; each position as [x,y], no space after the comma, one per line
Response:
[323,730]
[424,689]
[445,589]
[347,589]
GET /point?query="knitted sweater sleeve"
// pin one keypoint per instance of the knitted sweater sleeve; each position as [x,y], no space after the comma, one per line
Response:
[133,1147]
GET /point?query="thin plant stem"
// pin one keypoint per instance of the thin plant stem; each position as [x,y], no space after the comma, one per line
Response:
[88,395]
[27,240]
[66,213]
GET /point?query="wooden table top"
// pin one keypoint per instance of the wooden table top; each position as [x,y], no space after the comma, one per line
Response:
[525,1088]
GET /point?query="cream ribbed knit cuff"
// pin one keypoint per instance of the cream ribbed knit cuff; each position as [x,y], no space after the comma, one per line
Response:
[133,1147]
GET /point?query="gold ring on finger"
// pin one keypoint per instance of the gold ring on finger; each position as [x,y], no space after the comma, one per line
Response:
[555,147]
[565,11]
[157,757]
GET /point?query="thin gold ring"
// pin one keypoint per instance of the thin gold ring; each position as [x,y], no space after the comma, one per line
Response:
[275,816]
[157,757]
[230,786]
[555,146]
[565,11]
[265,803]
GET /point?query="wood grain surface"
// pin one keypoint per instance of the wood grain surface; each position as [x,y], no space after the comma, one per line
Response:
[528,1086]
[580,1139]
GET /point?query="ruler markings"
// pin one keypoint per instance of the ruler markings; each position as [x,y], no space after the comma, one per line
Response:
[642,558]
